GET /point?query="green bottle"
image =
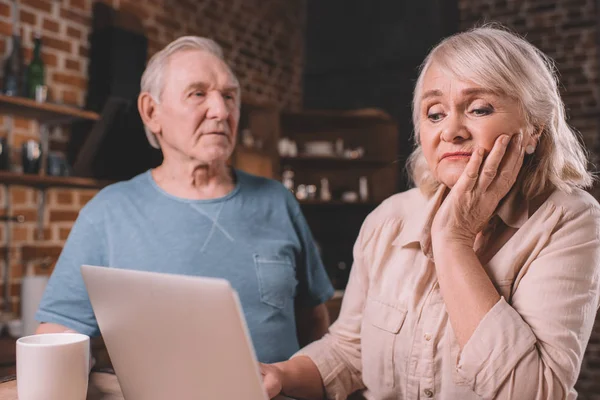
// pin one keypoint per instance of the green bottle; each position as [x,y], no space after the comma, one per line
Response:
[36,70]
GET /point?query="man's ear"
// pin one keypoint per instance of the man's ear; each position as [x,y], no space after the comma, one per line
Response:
[147,107]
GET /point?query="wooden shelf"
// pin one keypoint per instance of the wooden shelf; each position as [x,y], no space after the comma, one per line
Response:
[363,113]
[43,112]
[15,178]
[335,161]
[240,149]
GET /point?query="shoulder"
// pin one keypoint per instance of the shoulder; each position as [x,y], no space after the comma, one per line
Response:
[116,194]
[399,207]
[575,204]
[258,183]
[271,192]
[388,220]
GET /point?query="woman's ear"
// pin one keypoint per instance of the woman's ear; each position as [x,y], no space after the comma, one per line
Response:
[147,107]
[533,139]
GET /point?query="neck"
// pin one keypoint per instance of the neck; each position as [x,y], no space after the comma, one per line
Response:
[194,182]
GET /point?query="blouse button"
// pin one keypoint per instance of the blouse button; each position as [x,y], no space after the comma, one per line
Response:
[428,393]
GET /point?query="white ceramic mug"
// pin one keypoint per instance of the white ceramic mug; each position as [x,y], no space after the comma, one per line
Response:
[53,366]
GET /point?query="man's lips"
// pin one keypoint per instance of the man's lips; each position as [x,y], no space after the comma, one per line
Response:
[457,154]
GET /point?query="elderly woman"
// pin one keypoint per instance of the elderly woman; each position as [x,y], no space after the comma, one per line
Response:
[483,282]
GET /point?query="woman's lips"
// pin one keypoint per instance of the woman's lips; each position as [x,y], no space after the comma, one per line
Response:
[457,155]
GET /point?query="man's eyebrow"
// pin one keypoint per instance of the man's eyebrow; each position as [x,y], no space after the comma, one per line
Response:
[197,85]
[204,85]
[231,88]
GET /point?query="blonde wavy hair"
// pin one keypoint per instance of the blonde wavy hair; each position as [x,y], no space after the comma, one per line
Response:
[500,61]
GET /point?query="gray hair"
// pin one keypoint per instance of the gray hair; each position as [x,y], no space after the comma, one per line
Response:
[152,78]
[498,60]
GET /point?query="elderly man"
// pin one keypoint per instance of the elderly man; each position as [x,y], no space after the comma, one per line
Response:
[195,215]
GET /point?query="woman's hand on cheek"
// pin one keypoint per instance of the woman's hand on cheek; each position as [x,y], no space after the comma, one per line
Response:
[472,201]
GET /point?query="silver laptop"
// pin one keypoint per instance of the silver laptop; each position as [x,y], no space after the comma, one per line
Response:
[174,336]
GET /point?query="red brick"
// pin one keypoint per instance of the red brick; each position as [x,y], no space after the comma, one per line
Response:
[83,51]
[71,80]
[5,10]
[5,28]
[51,25]
[63,233]
[70,97]
[57,44]
[27,17]
[19,139]
[29,214]
[41,5]
[74,33]
[39,252]
[15,289]
[73,65]
[21,123]
[85,196]
[75,17]
[16,271]
[63,215]
[20,234]
[80,4]
[64,197]
[136,9]
[15,307]
[49,59]
[18,196]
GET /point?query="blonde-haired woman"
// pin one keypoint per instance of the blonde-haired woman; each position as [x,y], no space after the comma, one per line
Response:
[484,281]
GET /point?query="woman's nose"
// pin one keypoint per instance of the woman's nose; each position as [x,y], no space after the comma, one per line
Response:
[454,129]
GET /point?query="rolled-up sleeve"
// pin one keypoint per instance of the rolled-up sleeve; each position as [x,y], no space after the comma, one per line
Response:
[533,347]
[338,354]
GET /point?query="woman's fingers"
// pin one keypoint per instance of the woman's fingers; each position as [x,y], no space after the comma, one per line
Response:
[468,179]
[491,166]
[510,166]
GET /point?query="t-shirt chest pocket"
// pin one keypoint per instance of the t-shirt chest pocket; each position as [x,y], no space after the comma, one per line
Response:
[381,324]
[276,277]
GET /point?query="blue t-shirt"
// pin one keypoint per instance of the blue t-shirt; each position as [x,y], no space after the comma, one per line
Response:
[255,237]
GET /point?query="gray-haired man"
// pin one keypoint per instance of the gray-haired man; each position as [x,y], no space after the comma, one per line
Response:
[194,215]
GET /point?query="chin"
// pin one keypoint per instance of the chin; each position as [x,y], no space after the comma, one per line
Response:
[449,178]
[213,157]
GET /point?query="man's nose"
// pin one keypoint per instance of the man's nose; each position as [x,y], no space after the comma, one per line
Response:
[217,108]
[454,129]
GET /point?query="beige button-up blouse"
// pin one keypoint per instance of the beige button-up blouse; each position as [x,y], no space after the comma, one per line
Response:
[394,339]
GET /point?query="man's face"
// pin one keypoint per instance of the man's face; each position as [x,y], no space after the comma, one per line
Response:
[198,112]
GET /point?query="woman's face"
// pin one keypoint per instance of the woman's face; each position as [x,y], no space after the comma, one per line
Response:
[457,117]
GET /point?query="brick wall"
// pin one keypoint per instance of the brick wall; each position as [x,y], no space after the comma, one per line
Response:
[567,31]
[263,41]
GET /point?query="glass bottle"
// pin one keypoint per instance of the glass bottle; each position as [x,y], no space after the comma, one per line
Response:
[36,72]
[13,68]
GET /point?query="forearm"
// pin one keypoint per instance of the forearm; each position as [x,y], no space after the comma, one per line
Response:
[313,324]
[301,378]
[468,292]
[46,327]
